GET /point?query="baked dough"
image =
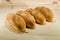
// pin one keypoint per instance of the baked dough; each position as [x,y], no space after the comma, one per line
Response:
[49,15]
[29,19]
[15,23]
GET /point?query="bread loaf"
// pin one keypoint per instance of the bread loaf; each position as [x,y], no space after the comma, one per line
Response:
[15,23]
[29,19]
[49,15]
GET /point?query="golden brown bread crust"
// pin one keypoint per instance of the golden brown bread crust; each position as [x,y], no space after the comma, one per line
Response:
[22,19]
[19,21]
[16,23]
[37,15]
[29,19]
[47,13]
[10,23]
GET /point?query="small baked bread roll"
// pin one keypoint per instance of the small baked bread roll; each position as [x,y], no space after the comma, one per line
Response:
[29,19]
[37,15]
[15,23]
[49,15]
